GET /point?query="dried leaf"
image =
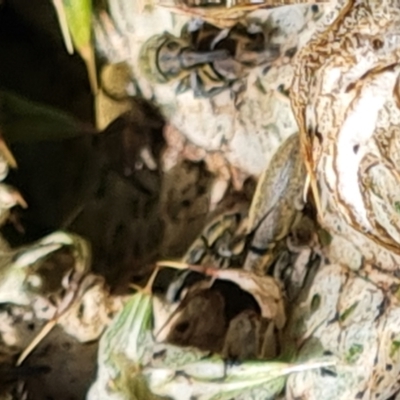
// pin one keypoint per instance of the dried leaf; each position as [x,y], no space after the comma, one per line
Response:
[264,289]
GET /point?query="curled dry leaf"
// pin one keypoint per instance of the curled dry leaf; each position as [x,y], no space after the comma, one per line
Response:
[264,289]
[241,340]
[199,321]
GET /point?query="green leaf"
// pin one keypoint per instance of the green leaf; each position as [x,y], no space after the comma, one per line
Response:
[78,14]
[129,328]
[75,19]
[394,347]
[315,302]
[348,312]
[324,237]
[22,120]
[354,353]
